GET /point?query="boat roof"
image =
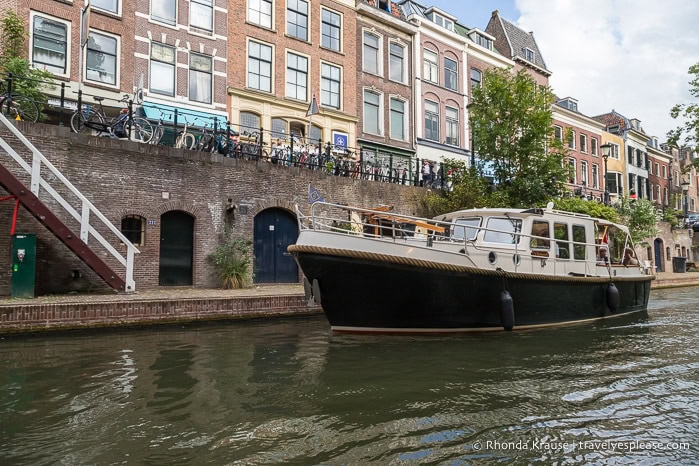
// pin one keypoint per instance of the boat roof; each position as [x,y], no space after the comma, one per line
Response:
[523,213]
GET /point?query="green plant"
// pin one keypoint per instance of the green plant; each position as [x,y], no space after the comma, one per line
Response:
[231,261]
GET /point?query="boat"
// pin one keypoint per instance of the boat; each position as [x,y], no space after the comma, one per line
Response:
[375,270]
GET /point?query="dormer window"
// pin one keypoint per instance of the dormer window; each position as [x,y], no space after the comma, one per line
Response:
[484,42]
[442,21]
[529,54]
[385,5]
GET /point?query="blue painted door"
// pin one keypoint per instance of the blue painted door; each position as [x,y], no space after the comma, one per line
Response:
[176,248]
[275,230]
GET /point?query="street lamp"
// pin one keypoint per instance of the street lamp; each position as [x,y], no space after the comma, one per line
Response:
[685,191]
[606,151]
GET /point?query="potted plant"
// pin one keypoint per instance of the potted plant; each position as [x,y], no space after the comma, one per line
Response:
[231,261]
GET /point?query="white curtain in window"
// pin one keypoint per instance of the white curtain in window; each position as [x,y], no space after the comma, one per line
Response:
[200,86]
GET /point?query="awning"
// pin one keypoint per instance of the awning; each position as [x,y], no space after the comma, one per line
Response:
[155,111]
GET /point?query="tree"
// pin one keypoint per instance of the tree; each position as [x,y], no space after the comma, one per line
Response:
[27,81]
[512,126]
[690,113]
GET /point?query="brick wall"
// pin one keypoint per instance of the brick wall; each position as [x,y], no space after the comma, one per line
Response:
[121,178]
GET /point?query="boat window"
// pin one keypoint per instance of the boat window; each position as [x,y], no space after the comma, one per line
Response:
[579,248]
[540,235]
[503,230]
[560,232]
[466,228]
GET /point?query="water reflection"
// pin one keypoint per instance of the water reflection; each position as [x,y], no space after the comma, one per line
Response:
[267,392]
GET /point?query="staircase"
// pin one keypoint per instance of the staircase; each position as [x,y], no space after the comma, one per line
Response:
[89,219]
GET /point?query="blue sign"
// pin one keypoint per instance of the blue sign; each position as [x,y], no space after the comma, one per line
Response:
[340,140]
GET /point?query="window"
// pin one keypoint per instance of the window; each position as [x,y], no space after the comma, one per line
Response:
[466,228]
[430,71]
[260,66]
[249,122]
[101,61]
[372,112]
[260,12]
[200,73]
[297,19]
[442,21]
[431,120]
[614,152]
[452,129]
[595,176]
[578,242]
[50,45]
[111,6]
[573,171]
[201,14]
[164,11]
[540,235]
[560,232]
[397,119]
[571,140]
[134,228]
[476,78]
[451,74]
[665,198]
[162,69]
[558,133]
[664,171]
[594,147]
[528,54]
[330,29]
[396,64]
[503,230]
[330,85]
[583,172]
[296,76]
[370,53]
[484,41]
[656,170]
[583,143]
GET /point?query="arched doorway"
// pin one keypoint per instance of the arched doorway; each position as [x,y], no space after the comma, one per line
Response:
[658,254]
[176,248]
[274,230]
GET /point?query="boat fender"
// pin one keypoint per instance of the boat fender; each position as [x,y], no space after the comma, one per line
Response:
[612,297]
[507,311]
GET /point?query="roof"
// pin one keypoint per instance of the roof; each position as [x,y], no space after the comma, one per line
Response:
[517,39]
[393,8]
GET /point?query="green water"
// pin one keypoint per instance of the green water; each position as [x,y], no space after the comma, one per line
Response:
[291,392]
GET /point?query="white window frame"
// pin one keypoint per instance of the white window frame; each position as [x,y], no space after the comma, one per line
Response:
[368,50]
[194,73]
[584,176]
[377,107]
[404,122]
[173,65]
[474,82]
[594,147]
[558,132]
[595,176]
[400,63]
[259,15]
[529,54]
[330,86]
[117,6]
[571,140]
[117,55]
[295,72]
[574,165]
[255,67]
[327,39]
[452,125]
[32,16]
[450,72]
[204,5]
[430,68]
[301,19]
[583,143]
[429,112]
[162,19]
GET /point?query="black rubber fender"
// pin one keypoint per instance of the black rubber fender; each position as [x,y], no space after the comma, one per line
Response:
[612,297]
[507,311]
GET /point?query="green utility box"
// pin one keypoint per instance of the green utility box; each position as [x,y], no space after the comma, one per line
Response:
[23,265]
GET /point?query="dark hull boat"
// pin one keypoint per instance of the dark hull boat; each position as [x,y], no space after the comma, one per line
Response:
[485,269]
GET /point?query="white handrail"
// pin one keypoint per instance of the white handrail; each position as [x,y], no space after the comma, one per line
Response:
[83,213]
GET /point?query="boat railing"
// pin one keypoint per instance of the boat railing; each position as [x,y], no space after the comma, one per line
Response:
[382,223]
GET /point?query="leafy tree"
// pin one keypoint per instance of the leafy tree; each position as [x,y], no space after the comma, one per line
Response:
[591,208]
[640,216]
[468,190]
[29,82]
[690,113]
[512,125]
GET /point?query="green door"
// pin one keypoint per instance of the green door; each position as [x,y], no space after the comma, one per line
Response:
[23,265]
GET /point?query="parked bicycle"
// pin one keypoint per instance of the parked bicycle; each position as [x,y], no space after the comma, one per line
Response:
[95,120]
[185,139]
[18,107]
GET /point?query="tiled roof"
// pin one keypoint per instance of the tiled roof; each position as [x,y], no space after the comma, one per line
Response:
[519,40]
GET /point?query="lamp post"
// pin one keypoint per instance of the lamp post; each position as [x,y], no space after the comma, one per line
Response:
[606,151]
[685,192]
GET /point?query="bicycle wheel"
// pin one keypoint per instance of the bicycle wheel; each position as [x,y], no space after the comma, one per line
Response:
[189,141]
[22,107]
[87,121]
[141,130]
[158,133]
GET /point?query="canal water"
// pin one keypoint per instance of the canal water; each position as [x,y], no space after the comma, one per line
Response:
[289,391]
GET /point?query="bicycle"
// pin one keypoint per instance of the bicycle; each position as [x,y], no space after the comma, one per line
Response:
[158,131]
[184,139]
[18,107]
[88,119]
